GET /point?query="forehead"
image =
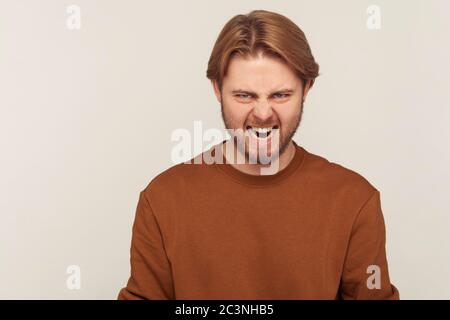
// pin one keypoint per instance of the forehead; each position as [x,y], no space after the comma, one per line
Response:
[259,74]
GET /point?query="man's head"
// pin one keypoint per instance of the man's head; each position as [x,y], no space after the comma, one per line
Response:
[261,68]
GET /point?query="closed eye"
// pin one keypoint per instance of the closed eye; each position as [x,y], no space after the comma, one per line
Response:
[243,95]
[281,95]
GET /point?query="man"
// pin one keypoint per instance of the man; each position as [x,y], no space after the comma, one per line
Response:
[311,230]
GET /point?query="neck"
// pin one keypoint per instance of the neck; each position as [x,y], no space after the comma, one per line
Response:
[255,169]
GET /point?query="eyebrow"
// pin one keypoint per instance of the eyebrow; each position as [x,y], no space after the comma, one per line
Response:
[286,90]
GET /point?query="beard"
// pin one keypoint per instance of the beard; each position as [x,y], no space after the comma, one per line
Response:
[286,132]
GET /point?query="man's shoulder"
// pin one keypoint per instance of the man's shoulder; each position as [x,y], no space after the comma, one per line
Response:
[335,176]
[176,177]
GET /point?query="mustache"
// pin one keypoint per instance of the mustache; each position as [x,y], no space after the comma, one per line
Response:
[263,125]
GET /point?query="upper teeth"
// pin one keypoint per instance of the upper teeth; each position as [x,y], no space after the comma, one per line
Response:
[262,130]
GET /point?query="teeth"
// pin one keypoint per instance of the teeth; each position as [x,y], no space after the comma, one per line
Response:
[261,132]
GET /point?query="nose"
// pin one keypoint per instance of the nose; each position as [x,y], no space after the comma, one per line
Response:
[262,111]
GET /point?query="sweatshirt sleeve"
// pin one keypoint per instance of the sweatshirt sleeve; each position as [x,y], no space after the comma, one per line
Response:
[151,276]
[365,274]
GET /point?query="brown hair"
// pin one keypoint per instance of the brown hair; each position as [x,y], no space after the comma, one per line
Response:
[265,31]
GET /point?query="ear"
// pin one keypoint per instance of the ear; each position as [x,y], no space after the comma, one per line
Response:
[216,90]
[306,89]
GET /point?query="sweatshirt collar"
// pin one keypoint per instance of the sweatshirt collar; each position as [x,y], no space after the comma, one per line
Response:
[260,180]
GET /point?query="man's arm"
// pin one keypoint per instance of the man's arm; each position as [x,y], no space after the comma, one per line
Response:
[365,274]
[151,276]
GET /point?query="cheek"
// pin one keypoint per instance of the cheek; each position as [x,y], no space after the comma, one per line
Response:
[237,111]
[287,112]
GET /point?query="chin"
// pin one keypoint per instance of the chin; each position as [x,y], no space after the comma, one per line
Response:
[261,154]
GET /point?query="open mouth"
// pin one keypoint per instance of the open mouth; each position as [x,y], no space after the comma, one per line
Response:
[260,132]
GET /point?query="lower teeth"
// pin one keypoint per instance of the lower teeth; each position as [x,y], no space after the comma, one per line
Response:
[261,135]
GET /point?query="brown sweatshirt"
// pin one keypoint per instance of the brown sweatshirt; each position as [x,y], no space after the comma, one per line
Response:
[314,230]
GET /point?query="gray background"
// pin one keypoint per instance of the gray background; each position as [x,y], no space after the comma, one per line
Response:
[86,118]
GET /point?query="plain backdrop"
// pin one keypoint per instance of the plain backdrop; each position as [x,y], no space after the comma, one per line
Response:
[86,118]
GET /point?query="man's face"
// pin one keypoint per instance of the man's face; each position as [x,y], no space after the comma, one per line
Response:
[260,94]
